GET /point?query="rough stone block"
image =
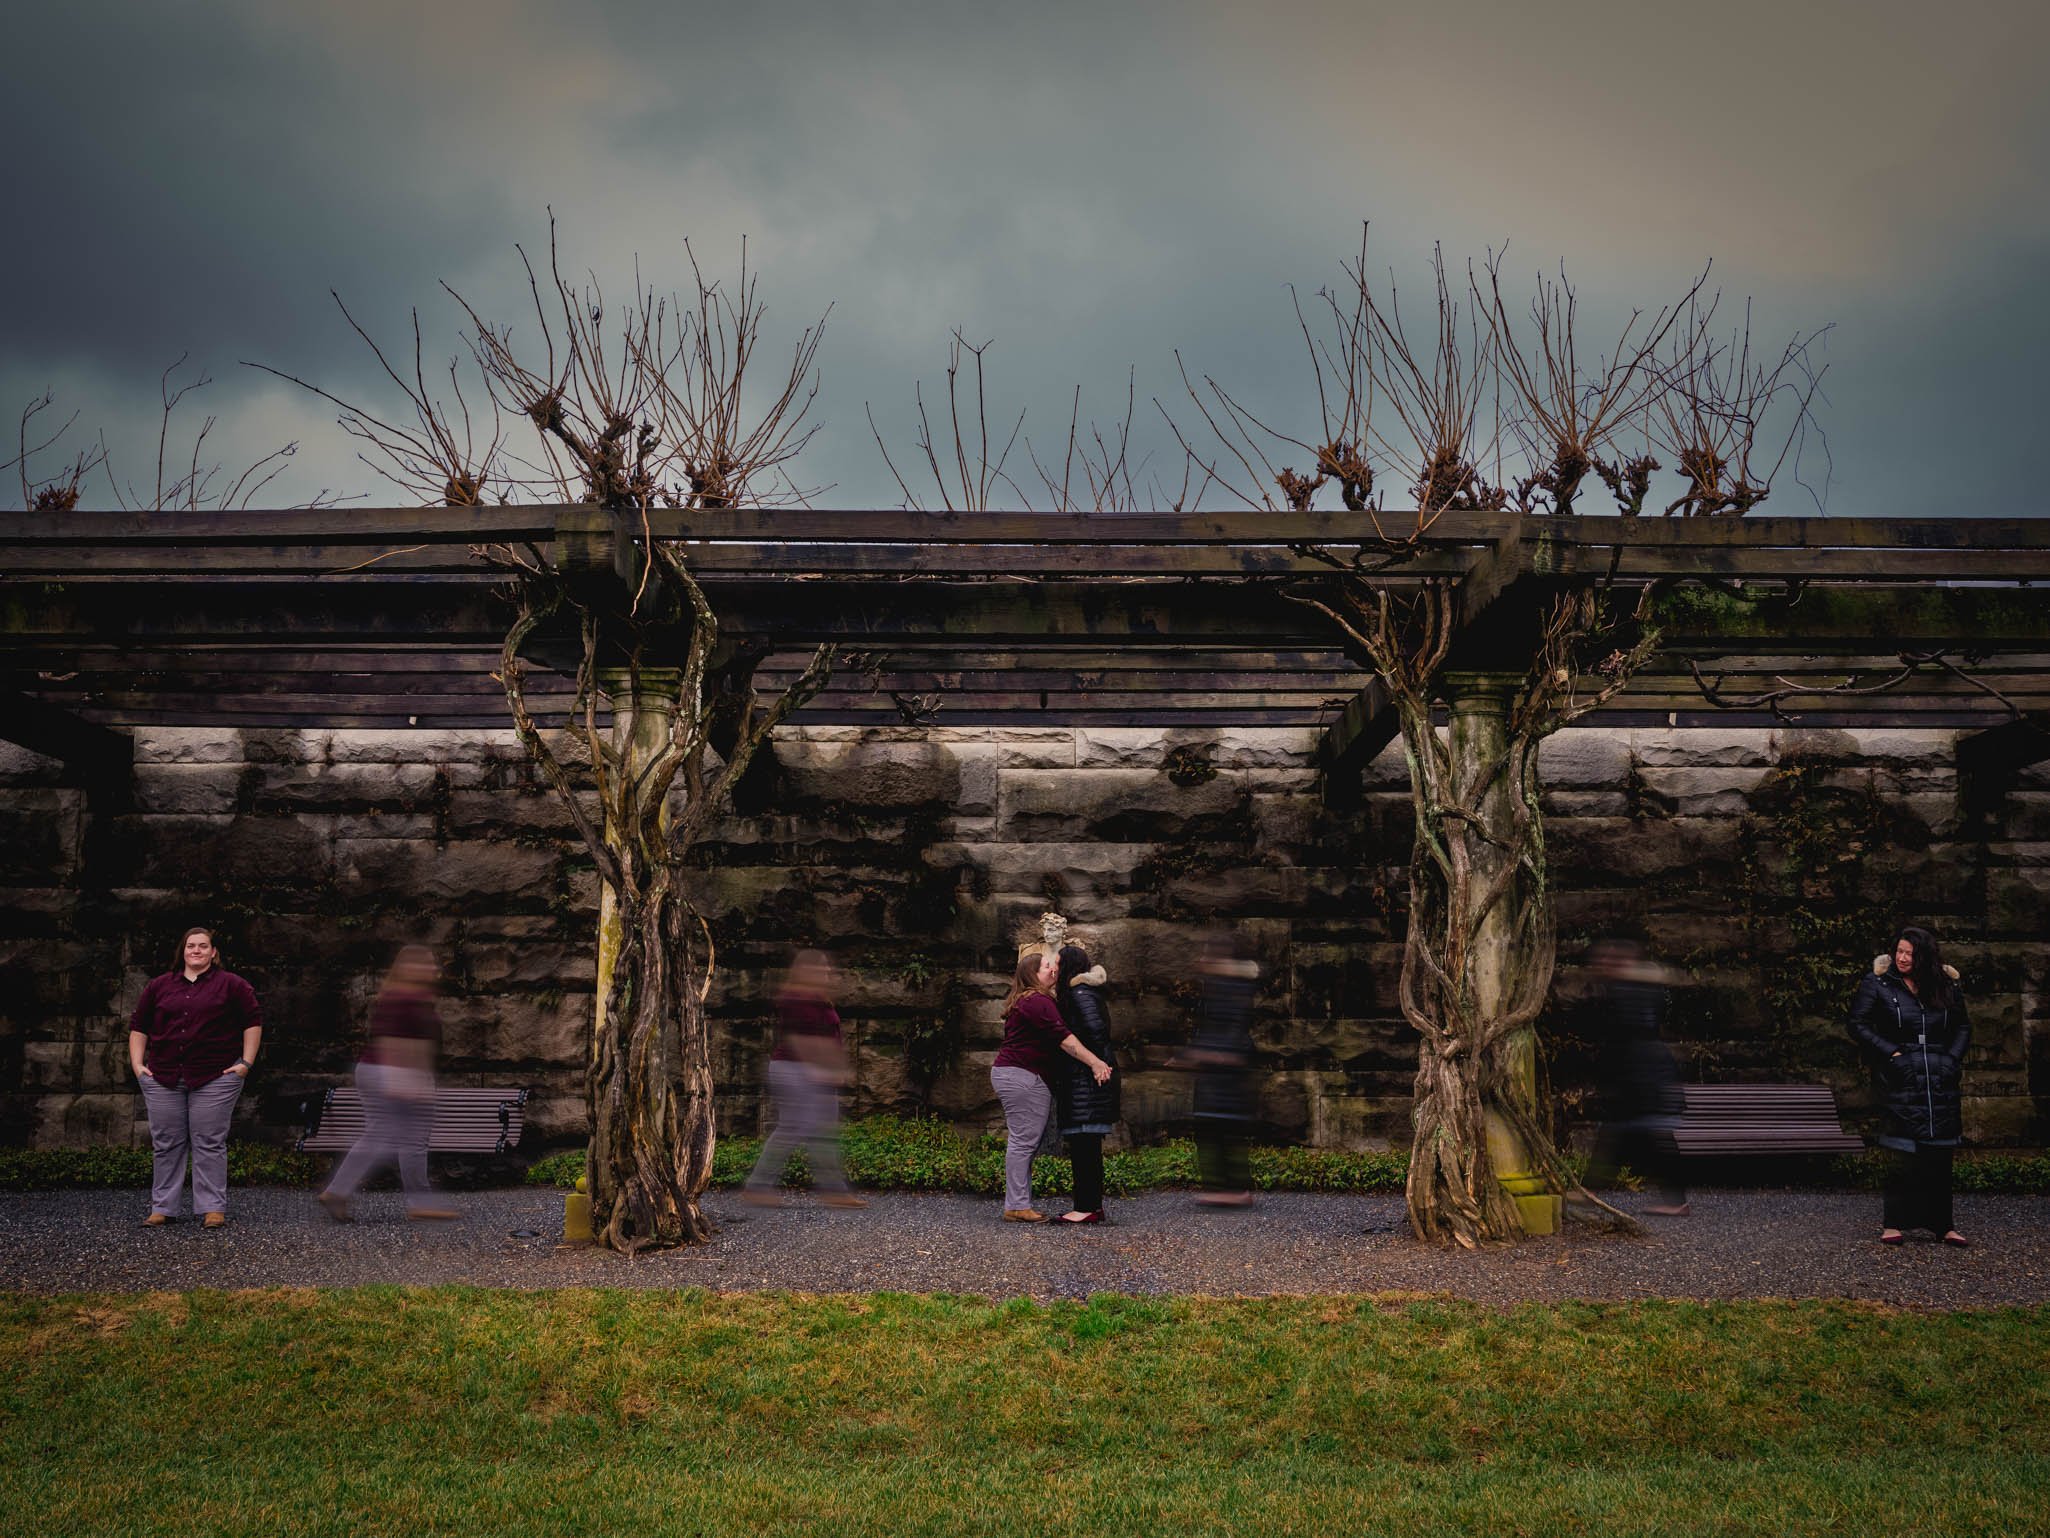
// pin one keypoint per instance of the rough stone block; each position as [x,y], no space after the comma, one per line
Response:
[1120,747]
[90,1121]
[873,774]
[48,1066]
[187,745]
[517,810]
[228,853]
[2001,1121]
[183,788]
[1693,792]
[1030,747]
[20,766]
[411,746]
[41,834]
[329,785]
[1584,758]
[463,871]
[1124,805]
[1698,748]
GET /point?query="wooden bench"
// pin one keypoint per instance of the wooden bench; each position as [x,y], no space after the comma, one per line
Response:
[1762,1119]
[465,1120]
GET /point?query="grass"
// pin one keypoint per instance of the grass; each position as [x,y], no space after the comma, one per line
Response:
[455,1411]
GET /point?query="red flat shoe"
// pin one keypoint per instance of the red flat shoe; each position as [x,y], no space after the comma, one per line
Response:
[1890,1236]
[1082,1217]
[1957,1240]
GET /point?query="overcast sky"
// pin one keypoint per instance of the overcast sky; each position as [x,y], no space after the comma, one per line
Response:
[1093,186]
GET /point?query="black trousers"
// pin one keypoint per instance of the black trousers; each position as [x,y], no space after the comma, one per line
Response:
[1222,1146]
[1648,1151]
[1918,1190]
[1086,1150]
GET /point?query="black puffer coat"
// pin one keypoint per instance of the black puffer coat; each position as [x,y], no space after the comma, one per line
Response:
[1085,1105]
[1917,1053]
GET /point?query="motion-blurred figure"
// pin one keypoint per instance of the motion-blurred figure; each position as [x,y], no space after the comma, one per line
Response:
[807,1067]
[396,1080]
[1220,1050]
[1639,1080]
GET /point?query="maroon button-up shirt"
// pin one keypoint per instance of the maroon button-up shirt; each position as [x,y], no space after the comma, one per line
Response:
[194,1028]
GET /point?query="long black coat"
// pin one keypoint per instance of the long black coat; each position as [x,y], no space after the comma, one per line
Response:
[1917,1052]
[1222,1044]
[1085,1105]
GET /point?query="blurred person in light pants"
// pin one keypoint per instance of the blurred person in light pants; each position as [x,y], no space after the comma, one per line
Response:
[807,1068]
[396,1081]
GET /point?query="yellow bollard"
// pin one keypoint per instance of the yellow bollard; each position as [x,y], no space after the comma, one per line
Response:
[576,1214]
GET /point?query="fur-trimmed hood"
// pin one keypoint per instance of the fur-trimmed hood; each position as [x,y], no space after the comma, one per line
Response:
[1883,964]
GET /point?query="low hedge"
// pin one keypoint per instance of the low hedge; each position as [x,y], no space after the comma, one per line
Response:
[72,1169]
[889,1153]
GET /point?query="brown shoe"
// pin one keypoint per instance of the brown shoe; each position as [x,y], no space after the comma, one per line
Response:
[337,1206]
[431,1215]
[156,1220]
[845,1199]
[761,1198]
[215,1220]
[1023,1215]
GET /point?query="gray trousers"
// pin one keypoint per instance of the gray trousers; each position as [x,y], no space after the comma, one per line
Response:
[806,1105]
[398,1111]
[1029,1129]
[190,1124]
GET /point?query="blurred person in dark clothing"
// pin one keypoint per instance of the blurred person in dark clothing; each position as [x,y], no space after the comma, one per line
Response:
[1908,1018]
[396,1080]
[191,1043]
[807,1068]
[1220,1050]
[1088,1109]
[1636,1075]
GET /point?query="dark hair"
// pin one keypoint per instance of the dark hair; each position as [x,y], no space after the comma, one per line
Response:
[178,961]
[1932,983]
[1073,961]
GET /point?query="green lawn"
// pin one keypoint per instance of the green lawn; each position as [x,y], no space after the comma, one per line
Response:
[453,1410]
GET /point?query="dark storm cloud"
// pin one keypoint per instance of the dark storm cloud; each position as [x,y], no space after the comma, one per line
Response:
[1092,186]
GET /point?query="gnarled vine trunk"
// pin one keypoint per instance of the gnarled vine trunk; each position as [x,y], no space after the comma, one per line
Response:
[1477,963]
[650,1080]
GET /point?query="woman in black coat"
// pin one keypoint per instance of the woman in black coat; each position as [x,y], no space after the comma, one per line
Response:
[1088,1110]
[1909,1020]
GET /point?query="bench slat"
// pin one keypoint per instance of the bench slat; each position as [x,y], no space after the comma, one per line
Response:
[1762,1118]
[467,1119]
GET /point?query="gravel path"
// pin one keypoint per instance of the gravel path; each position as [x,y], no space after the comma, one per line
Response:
[1736,1245]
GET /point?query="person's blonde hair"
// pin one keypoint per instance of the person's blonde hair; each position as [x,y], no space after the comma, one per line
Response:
[1026,979]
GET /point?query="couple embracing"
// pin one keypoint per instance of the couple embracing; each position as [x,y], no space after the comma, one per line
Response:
[1053,1072]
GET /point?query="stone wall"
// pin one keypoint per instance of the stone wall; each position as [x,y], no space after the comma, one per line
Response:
[1766,866]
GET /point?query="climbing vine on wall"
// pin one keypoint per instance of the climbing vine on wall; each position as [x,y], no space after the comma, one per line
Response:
[1806,922]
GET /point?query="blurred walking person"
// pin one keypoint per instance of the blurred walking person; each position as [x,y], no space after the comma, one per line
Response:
[1909,1019]
[807,1068]
[1639,1081]
[396,1080]
[1220,1050]
[191,1043]
[1087,1108]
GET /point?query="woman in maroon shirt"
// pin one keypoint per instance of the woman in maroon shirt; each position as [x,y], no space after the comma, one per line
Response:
[807,1067]
[191,1043]
[396,1081]
[1023,1073]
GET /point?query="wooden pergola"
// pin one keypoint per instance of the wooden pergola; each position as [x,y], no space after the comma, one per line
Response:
[389,618]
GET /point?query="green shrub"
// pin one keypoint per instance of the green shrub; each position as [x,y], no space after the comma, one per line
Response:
[71,1169]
